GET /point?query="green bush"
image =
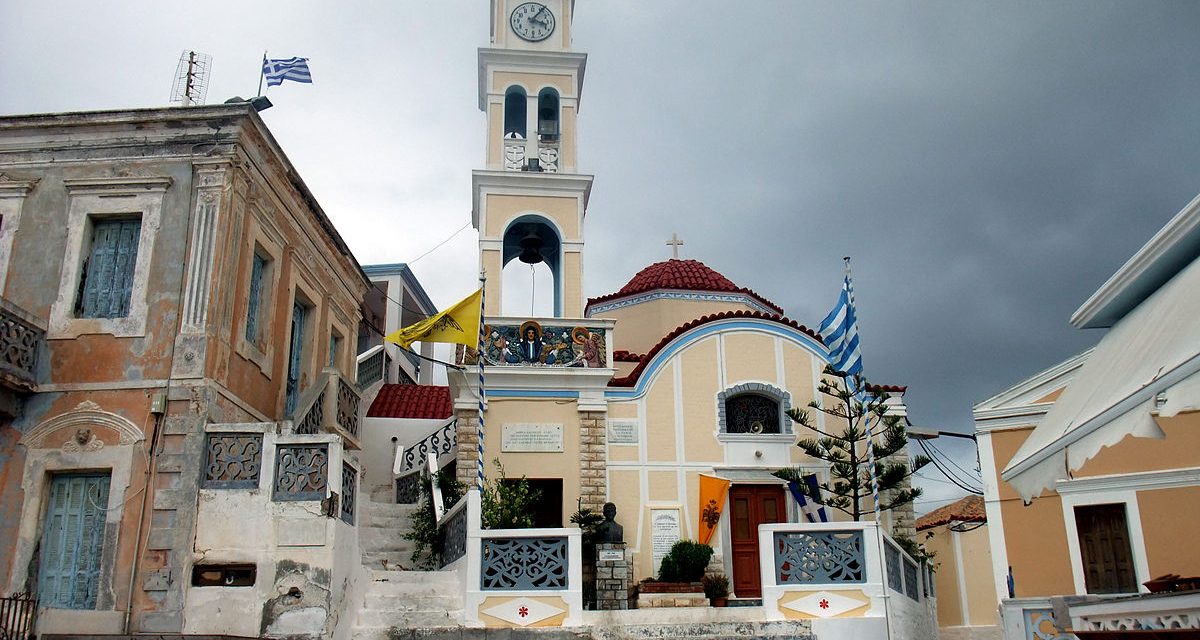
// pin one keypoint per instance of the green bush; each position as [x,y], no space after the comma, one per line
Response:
[685,562]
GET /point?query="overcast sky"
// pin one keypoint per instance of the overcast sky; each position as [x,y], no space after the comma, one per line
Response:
[987,165]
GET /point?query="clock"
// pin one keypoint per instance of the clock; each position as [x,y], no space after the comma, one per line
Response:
[532,21]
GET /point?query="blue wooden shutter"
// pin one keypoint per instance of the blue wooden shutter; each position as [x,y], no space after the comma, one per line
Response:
[297,348]
[256,277]
[72,541]
[108,276]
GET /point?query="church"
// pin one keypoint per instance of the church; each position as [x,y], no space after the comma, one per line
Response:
[633,396]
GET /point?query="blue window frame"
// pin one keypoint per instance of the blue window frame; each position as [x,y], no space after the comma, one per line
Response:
[107,282]
[72,541]
[257,271]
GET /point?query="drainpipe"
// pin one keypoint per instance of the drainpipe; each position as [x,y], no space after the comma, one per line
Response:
[157,410]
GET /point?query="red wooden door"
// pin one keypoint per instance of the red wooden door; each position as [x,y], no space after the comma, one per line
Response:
[750,506]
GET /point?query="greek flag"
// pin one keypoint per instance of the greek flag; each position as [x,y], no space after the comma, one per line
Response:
[294,69]
[839,330]
[812,511]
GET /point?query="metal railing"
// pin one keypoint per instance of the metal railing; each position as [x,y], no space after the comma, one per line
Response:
[18,616]
[373,366]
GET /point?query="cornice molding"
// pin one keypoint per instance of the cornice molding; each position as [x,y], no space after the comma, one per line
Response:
[1167,479]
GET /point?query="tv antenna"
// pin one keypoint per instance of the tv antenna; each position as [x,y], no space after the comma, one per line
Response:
[191,78]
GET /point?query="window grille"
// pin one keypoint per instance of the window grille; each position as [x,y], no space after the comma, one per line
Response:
[106,285]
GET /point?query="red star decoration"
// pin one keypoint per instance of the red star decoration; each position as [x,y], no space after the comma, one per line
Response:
[824,604]
[523,611]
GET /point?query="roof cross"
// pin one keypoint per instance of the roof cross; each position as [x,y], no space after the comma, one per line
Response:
[674,243]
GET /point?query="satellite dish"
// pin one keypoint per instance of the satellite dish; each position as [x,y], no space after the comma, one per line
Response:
[191,79]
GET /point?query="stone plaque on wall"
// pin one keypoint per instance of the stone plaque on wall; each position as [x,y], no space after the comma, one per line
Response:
[516,438]
[622,432]
[664,533]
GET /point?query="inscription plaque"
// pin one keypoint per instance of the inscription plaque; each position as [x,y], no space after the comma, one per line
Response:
[531,437]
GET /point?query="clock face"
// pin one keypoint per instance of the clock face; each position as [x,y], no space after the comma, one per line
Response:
[532,21]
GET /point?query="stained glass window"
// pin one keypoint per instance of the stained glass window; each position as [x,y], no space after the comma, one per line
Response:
[751,413]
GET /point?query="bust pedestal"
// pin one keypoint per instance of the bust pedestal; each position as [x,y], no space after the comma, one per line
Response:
[613,576]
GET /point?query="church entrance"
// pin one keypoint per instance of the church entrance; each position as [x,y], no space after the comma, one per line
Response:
[750,506]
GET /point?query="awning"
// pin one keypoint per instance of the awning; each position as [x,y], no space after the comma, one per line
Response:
[1154,349]
[748,476]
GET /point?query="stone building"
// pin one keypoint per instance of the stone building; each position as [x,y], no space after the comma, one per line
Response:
[173,297]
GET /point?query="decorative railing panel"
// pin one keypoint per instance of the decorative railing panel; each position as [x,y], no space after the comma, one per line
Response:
[310,423]
[349,492]
[19,342]
[453,534]
[372,369]
[911,588]
[301,472]
[548,156]
[347,407]
[819,557]
[514,154]
[530,344]
[523,563]
[892,558]
[18,616]
[408,488]
[442,442]
[233,460]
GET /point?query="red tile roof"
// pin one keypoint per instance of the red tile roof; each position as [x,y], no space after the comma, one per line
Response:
[969,509]
[685,275]
[621,355]
[420,401]
[887,388]
[633,376]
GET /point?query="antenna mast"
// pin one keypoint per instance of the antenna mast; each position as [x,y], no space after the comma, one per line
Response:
[191,79]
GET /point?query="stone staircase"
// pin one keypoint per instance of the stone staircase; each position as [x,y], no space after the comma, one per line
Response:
[399,602]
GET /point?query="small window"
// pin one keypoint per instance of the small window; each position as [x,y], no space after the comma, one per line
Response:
[106,283]
[514,113]
[224,575]
[335,347]
[548,113]
[254,310]
[751,413]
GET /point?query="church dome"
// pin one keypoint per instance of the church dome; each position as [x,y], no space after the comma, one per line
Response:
[681,275]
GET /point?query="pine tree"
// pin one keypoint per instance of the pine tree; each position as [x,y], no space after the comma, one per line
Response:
[849,487]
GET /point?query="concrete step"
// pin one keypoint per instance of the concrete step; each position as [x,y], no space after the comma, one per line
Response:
[372,619]
[414,583]
[711,630]
[382,539]
[388,560]
[384,508]
[413,602]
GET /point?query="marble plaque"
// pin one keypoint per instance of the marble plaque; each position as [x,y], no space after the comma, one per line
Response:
[622,432]
[664,533]
[531,437]
[610,555]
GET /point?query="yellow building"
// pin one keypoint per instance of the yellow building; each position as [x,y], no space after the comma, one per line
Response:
[1091,468]
[957,536]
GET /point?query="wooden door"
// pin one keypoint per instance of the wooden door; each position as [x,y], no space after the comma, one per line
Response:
[750,506]
[1104,547]
[72,541]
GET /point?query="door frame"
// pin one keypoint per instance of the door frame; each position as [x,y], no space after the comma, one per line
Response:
[1133,521]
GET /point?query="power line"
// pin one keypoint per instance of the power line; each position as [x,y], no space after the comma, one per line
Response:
[954,479]
[930,449]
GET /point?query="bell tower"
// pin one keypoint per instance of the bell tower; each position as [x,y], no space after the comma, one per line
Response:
[529,200]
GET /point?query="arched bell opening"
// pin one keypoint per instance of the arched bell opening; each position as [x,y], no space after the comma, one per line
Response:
[532,240]
[515,104]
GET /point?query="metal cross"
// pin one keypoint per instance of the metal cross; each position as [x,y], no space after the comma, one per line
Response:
[674,243]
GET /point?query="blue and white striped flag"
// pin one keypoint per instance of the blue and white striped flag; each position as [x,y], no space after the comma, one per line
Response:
[813,511]
[294,69]
[839,330]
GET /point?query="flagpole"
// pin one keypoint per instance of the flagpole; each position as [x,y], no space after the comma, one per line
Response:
[262,71]
[482,387]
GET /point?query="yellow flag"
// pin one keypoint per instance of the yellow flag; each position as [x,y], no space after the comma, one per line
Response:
[458,324]
[712,503]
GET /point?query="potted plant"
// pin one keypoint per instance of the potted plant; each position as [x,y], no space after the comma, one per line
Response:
[681,569]
[716,588]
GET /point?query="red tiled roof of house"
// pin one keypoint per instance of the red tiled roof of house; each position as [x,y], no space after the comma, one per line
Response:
[685,275]
[969,509]
[633,376]
[419,401]
[887,388]
[621,355]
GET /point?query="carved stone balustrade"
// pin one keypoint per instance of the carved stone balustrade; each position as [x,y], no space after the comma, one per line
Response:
[21,336]
[330,406]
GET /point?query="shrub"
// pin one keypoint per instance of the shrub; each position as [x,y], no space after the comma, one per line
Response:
[716,586]
[685,562]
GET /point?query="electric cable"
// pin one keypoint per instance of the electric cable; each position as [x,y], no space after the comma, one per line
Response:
[948,475]
[932,450]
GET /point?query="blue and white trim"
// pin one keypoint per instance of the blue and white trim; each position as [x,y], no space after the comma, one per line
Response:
[679,294]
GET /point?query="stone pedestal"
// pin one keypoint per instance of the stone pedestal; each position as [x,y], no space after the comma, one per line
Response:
[614,576]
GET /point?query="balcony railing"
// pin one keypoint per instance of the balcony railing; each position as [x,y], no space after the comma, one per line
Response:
[331,406]
[373,366]
[513,342]
[21,335]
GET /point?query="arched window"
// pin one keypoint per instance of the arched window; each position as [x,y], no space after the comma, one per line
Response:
[548,113]
[754,408]
[514,112]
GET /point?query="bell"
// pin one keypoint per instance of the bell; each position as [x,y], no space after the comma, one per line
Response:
[531,246]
